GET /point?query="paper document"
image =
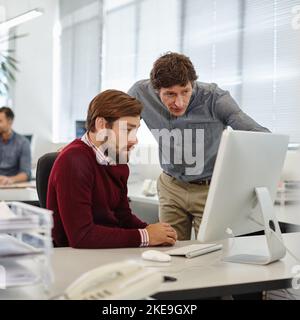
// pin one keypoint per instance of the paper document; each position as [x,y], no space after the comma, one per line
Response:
[194,250]
[16,274]
[9,222]
[10,246]
[5,212]
[19,185]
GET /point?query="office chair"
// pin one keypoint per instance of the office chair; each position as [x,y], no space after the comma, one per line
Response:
[44,166]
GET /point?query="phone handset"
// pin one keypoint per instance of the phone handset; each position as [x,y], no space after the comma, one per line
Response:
[122,280]
[149,187]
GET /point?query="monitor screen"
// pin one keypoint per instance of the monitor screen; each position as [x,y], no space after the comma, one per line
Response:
[245,161]
[28,137]
[242,192]
[80,128]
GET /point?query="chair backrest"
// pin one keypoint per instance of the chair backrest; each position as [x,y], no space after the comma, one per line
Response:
[44,166]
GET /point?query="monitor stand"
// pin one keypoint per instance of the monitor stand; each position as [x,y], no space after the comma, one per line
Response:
[276,248]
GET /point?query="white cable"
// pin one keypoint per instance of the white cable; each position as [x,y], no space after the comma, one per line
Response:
[232,237]
[287,249]
[286,291]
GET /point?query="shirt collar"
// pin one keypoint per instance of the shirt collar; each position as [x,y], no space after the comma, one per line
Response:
[12,136]
[101,158]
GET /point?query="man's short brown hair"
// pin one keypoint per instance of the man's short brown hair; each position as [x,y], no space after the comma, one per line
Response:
[172,69]
[112,105]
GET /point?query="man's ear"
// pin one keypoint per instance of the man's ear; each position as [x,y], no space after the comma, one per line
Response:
[100,124]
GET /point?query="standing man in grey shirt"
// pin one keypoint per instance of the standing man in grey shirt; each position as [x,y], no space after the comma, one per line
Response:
[15,156]
[186,117]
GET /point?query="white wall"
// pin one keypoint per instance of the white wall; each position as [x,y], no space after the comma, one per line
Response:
[291,168]
[32,96]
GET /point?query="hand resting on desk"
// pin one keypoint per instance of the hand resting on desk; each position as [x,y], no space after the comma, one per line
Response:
[161,234]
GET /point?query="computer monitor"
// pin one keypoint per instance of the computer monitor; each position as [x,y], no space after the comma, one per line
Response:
[242,192]
[80,128]
[28,137]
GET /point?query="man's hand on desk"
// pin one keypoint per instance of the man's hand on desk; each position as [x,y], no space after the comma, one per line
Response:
[4,181]
[161,234]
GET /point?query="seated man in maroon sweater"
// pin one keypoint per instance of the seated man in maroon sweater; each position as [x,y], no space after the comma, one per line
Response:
[87,188]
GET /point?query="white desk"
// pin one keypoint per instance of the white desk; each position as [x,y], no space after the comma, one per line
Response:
[19,194]
[135,194]
[27,194]
[200,277]
[288,214]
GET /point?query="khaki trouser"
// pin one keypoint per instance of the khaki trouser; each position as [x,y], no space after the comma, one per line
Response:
[181,204]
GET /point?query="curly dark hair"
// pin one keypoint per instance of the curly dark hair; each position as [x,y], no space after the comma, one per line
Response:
[172,69]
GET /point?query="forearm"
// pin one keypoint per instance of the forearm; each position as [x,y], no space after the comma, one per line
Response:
[129,220]
[125,215]
[231,115]
[102,237]
[20,177]
[241,121]
[80,228]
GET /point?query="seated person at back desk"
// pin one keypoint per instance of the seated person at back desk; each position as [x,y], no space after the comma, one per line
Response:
[87,188]
[15,156]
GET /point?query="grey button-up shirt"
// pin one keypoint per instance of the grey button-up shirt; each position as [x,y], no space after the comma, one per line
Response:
[209,112]
[15,156]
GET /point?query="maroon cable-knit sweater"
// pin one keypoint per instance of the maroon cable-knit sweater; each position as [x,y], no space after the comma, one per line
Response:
[90,202]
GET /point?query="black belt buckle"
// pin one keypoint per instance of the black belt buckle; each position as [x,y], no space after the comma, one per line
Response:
[205,182]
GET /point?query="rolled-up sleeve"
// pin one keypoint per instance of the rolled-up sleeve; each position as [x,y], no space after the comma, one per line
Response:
[25,159]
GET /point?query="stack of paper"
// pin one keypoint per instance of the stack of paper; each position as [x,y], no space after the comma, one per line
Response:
[16,224]
[25,245]
[5,212]
[16,274]
[9,222]
[10,246]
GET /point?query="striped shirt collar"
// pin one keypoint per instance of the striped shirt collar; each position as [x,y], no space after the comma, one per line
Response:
[101,158]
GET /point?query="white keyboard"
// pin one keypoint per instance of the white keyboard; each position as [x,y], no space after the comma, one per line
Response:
[194,250]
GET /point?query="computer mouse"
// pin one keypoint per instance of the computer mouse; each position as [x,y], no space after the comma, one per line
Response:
[155,255]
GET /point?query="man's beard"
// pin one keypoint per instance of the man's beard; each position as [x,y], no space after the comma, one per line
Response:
[117,156]
[122,158]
